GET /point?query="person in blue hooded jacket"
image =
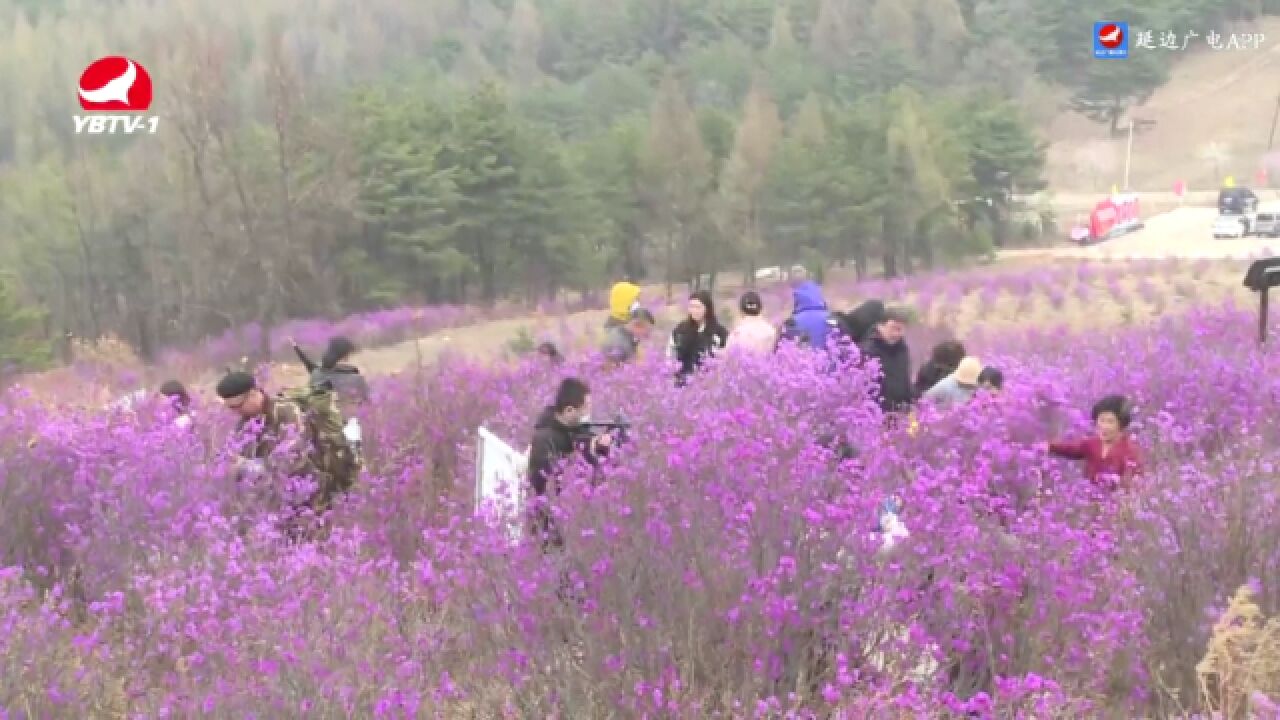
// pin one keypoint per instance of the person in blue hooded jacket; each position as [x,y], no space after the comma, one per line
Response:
[810,322]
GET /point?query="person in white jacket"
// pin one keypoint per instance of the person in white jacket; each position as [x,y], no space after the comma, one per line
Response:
[752,331]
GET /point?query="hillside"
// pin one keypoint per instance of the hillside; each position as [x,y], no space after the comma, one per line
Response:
[1226,97]
[376,155]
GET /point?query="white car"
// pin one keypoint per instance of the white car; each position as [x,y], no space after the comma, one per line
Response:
[1229,226]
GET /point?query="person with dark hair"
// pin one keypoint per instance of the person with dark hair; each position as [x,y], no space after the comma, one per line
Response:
[622,342]
[278,426]
[1111,458]
[991,379]
[179,400]
[752,332]
[698,337]
[305,436]
[887,344]
[341,375]
[943,361]
[552,353]
[555,439]
[857,324]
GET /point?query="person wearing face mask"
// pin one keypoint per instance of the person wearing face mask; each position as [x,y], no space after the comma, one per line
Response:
[698,337]
[1111,458]
[555,439]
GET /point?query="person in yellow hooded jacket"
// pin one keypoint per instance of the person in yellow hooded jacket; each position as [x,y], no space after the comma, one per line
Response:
[624,297]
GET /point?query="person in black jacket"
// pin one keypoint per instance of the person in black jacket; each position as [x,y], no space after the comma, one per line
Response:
[336,370]
[943,361]
[858,323]
[699,336]
[555,438]
[887,344]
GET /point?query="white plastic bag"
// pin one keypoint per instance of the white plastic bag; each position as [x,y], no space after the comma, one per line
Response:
[352,431]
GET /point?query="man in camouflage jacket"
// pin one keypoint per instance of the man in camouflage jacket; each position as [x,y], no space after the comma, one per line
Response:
[277,437]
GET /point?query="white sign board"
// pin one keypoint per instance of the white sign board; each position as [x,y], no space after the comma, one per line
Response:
[500,482]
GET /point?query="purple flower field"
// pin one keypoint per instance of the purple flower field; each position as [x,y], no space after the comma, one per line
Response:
[725,567]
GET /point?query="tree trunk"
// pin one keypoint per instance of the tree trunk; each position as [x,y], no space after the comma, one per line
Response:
[633,258]
[670,262]
[269,310]
[890,264]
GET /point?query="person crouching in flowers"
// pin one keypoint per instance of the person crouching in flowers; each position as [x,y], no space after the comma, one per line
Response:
[1111,458]
[179,402]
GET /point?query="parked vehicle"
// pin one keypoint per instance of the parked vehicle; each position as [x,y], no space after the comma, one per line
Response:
[1237,201]
[1229,226]
[1266,223]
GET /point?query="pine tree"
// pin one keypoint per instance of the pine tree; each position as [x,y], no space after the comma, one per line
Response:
[831,35]
[405,198]
[913,171]
[744,176]
[21,347]
[485,159]
[809,126]
[893,23]
[676,168]
[524,33]
[782,38]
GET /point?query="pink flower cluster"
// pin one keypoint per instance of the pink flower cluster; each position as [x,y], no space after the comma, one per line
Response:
[721,564]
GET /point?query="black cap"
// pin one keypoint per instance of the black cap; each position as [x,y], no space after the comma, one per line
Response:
[750,303]
[235,384]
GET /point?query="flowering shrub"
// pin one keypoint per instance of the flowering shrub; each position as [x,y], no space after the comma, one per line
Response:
[721,564]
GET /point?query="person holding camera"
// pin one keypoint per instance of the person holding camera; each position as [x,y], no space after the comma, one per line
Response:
[557,436]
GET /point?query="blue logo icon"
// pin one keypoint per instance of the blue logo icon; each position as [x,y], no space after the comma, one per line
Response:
[1111,40]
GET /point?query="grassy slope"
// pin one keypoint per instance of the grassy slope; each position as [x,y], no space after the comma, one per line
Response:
[1226,96]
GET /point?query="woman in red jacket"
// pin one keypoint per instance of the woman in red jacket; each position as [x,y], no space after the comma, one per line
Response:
[1110,457]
